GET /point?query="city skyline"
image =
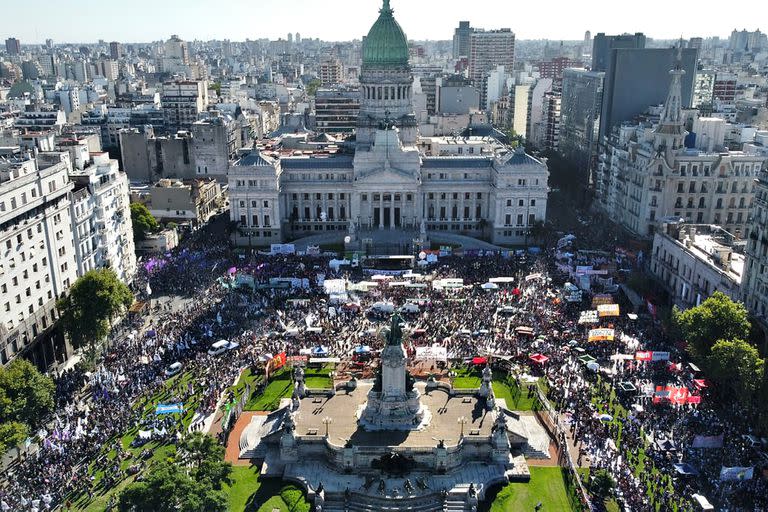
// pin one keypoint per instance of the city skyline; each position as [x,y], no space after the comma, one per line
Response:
[191,20]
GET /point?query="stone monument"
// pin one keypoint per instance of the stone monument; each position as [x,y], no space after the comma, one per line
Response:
[298,376]
[485,387]
[393,402]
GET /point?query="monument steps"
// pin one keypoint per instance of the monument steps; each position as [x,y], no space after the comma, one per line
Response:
[362,503]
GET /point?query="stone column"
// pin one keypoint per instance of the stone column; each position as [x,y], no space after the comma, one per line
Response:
[392,211]
[381,210]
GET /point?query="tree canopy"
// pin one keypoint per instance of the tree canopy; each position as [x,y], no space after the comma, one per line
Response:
[313,86]
[12,433]
[737,368]
[94,299]
[717,318]
[143,221]
[192,481]
[26,396]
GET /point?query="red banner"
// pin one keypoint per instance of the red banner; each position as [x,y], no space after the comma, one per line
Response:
[643,356]
[276,362]
[676,395]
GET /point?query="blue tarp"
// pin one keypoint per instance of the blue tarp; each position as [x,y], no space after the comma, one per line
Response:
[168,409]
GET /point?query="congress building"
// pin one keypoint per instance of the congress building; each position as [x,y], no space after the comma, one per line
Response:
[387,178]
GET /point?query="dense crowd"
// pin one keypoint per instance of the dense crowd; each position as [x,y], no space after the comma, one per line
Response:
[194,301]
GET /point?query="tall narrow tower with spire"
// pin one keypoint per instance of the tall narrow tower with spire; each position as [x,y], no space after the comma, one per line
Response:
[670,132]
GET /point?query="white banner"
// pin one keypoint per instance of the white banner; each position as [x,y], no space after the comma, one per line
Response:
[435,352]
[588,317]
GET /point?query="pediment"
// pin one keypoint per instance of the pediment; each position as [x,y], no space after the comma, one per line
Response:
[382,174]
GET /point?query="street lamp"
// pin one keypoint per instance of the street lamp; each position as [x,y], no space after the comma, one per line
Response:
[327,421]
[462,421]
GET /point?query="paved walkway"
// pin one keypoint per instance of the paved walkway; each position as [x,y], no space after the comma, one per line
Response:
[232,453]
[388,236]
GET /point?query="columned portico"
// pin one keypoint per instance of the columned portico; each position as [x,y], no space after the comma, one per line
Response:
[386,209]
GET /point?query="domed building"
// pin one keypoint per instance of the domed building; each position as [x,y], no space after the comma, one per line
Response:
[387,178]
[386,82]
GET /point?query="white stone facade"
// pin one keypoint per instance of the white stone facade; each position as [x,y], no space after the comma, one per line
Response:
[755,280]
[109,241]
[636,187]
[38,258]
[694,261]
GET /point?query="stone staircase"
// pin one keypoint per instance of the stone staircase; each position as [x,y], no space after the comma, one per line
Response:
[250,441]
[363,503]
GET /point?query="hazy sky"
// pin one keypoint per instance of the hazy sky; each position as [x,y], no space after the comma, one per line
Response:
[335,20]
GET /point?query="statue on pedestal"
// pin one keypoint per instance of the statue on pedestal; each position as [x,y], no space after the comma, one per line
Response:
[393,402]
[298,376]
[485,387]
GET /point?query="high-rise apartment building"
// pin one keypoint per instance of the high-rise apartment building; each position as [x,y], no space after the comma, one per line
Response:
[745,40]
[182,101]
[38,263]
[582,100]
[489,49]
[461,40]
[336,110]
[636,79]
[602,45]
[724,89]
[115,50]
[755,278]
[331,72]
[177,49]
[554,68]
[12,46]
[215,141]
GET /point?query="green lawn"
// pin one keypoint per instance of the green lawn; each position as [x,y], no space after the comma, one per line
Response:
[281,386]
[547,486]
[515,395]
[249,494]
[467,377]
[245,482]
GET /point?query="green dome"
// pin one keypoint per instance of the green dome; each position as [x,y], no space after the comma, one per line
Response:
[386,44]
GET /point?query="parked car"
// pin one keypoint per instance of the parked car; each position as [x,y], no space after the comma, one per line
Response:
[222,346]
[173,369]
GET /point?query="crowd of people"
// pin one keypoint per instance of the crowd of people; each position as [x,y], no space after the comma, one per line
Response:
[194,301]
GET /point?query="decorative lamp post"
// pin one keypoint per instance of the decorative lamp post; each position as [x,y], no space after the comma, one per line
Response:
[461,421]
[327,421]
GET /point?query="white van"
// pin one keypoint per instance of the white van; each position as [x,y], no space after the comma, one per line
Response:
[222,346]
